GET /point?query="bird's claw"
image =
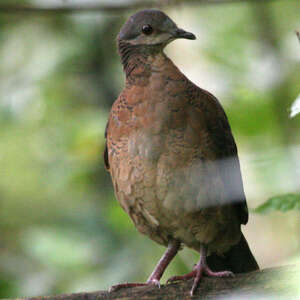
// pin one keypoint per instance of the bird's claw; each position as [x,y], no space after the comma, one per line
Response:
[210,273]
[125,285]
[197,274]
[153,282]
[183,277]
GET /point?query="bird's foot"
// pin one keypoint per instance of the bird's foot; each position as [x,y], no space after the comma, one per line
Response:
[199,270]
[183,277]
[134,284]
[154,278]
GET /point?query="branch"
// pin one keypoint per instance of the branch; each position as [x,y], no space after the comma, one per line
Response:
[298,35]
[111,8]
[280,281]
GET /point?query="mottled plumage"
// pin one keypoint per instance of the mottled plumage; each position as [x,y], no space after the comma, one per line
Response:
[170,151]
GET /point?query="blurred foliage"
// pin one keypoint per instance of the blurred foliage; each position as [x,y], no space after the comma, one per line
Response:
[282,203]
[61,228]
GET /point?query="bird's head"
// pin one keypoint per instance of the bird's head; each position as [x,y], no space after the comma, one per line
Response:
[151,27]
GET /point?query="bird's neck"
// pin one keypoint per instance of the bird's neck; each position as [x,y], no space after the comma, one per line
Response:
[137,60]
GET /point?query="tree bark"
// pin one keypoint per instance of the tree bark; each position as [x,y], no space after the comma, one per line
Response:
[275,283]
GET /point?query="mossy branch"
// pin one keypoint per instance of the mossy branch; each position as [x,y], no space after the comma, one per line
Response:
[274,283]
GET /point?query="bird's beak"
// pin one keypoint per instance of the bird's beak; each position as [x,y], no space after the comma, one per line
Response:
[182,34]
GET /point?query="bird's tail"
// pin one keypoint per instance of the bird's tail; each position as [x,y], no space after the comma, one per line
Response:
[239,259]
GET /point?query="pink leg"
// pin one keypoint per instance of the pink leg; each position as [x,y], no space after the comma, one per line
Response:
[199,270]
[154,278]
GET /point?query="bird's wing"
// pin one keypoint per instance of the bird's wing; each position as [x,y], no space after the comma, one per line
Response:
[225,150]
[105,153]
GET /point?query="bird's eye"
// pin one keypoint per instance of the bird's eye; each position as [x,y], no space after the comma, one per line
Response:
[147,29]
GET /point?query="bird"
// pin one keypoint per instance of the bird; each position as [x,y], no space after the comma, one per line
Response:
[172,157]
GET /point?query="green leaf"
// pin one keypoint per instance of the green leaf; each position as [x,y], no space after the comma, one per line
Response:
[280,203]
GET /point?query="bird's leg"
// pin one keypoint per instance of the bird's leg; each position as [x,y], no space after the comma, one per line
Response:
[170,253]
[157,273]
[200,269]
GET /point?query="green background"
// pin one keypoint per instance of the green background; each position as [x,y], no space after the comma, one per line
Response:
[61,229]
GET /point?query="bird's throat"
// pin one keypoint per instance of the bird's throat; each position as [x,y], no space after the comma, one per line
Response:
[136,56]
